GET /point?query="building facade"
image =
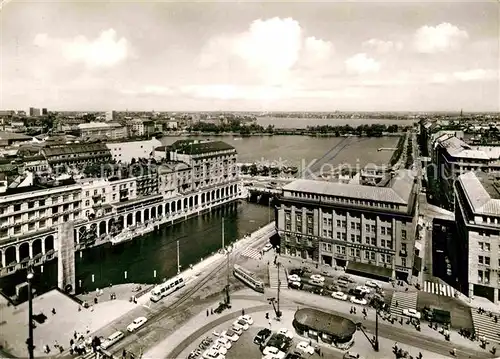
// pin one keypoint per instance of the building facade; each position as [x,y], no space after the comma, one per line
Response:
[140,127]
[368,230]
[101,208]
[125,151]
[453,157]
[477,215]
[111,130]
[78,155]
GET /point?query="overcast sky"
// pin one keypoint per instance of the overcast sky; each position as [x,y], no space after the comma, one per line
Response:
[371,56]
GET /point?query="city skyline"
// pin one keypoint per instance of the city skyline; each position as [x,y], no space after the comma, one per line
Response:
[251,56]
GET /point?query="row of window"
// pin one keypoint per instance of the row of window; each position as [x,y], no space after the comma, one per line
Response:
[483,277]
[356,252]
[41,203]
[485,260]
[485,246]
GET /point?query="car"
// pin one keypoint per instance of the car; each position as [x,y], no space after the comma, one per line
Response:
[412,313]
[346,278]
[304,347]
[246,318]
[136,324]
[213,354]
[372,284]
[261,336]
[295,285]
[240,323]
[237,329]
[339,295]
[361,301]
[221,348]
[231,335]
[317,278]
[351,355]
[293,356]
[294,278]
[267,247]
[363,289]
[297,271]
[273,352]
[287,333]
[225,342]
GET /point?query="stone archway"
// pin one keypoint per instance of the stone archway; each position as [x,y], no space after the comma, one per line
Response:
[111,225]
[217,194]
[196,200]
[212,196]
[24,252]
[36,247]
[49,243]
[202,198]
[130,219]
[102,228]
[153,212]
[138,217]
[185,202]
[191,203]
[10,255]
[173,209]
[179,205]
[146,215]
[160,210]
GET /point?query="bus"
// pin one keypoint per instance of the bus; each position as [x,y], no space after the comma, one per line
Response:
[166,288]
[248,278]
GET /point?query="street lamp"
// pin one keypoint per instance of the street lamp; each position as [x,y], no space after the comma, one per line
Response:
[29,342]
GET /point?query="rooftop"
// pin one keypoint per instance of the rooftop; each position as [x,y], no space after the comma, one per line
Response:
[92,125]
[460,149]
[75,149]
[196,147]
[14,136]
[323,322]
[482,191]
[398,191]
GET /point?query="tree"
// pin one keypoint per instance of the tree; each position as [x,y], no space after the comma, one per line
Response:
[244,169]
[254,171]
[275,171]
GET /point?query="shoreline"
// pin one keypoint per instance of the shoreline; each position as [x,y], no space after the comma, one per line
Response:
[278,132]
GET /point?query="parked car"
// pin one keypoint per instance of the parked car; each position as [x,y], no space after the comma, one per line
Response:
[227,343]
[363,289]
[294,278]
[221,348]
[246,318]
[273,352]
[372,284]
[317,278]
[261,336]
[287,333]
[304,347]
[346,278]
[352,355]
[267,247]
[412,313]
[297,271]
[136,324]
[240,323]
[237,329]
[361,301]
[295,285]
[231,335]
[339,295]
[212,354]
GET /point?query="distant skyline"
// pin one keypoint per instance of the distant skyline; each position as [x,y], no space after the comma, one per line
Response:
[248,56]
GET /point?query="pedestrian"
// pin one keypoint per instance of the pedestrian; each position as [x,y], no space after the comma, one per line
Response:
[242,311]
[124,353]
[211,311]
[53,310]
[207,313]
[397,304]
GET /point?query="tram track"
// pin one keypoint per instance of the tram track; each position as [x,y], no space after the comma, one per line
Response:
[187,294]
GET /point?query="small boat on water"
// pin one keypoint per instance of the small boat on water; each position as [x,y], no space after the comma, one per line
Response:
[129,234]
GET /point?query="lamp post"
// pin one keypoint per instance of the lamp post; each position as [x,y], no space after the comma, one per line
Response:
[29,342]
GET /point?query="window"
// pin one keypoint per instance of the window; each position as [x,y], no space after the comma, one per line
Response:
[338,235]
[389,231]
[41,202]
[367,240]
[389,244]
[344,224]
[487,247]
[358,253]
[403,234]
[358,238]
[374,241]
[17,207]
[358,226]
[351,250]
[287,227]
[367,255]
[353,225]
[344,237]
[299,228]
[403,247]
[487,261]
[480,260]
[372,254]
[338,223]
[297,240]
[367,227]
[382,230]
[352,237]
[373,228]
[309,230]
[403,262]
[287,216]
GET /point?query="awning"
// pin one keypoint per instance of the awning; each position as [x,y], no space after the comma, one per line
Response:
[418,245]
[417,264]
[369,270]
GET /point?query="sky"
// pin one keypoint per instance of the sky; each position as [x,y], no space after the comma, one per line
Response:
[250,56]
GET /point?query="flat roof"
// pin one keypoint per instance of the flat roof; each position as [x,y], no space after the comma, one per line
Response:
[482,191]
[327,323]
[14,136]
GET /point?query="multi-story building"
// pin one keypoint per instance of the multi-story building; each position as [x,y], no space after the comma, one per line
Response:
[212,162]
[44,111]
[77,155]
[110,116]
[139,127]
[368,230]
[111,130]
[29,217]
[13,139]
[34,112]
[125,151]
[477,216]
[453,157]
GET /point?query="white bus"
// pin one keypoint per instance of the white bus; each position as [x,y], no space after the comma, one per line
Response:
[248,278]
[164,289]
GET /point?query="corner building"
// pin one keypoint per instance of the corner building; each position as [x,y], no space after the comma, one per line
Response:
[368,230]
[477,216]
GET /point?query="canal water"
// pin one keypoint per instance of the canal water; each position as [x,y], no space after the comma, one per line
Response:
[153,257]
[156,253]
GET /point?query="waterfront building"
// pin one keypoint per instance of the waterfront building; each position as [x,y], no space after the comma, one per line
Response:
[454,157]
[79,154]
[368,230]
[103,208]
[477,215]
[29,217]
[111,130]
[139,127]
[125,151]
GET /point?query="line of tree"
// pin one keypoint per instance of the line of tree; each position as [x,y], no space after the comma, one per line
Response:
[231,126]
[399,150]
[409,154]
[254,170]
[374,130]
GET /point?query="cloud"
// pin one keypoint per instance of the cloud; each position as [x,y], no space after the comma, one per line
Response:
[440,38]
[150,90]
[105,51]
[362,64]
[382,46]
[476,75]
[269,48]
